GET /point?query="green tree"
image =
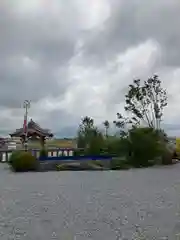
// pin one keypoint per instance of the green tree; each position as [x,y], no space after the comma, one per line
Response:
[89,137]
[123,122]
[88,122]
[144,105]
[146,102]
[85,130]
[96,143]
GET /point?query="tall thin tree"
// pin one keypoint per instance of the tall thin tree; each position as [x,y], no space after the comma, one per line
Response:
[106,125]
[146,102]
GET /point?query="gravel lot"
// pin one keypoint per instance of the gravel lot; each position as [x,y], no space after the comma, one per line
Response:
[90,205]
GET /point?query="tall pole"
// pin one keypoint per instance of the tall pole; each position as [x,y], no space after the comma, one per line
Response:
[26,107]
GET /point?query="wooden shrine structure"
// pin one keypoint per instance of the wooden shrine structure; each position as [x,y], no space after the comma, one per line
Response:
[34,132]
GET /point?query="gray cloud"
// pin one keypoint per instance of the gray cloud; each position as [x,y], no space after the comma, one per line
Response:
[34,51]
[135,21]
[37,48]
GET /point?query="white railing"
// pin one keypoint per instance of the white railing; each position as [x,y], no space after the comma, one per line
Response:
[5,154]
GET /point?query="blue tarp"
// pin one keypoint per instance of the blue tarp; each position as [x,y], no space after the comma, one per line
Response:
[75,158]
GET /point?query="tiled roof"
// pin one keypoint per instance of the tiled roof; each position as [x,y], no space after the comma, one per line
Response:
[32,127]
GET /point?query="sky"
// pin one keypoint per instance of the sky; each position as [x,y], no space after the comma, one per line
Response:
[76,57]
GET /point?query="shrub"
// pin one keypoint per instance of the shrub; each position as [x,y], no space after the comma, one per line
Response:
[13,156]
[144,146]
[117,147]
[23,161]
[79,152]
[43,152]
[96,144]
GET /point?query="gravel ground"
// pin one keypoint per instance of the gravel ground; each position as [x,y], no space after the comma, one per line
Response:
[90,205]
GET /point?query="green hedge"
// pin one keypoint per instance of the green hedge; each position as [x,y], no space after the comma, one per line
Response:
[43,152]
[22,162]
[14,156]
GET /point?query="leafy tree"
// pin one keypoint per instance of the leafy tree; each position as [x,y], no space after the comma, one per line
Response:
[85,130]
[123,122]
[88,122]
[89,137]
[146,102]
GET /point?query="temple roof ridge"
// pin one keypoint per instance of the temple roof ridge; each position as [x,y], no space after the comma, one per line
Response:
[33,127]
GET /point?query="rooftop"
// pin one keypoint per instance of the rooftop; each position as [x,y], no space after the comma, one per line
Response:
[32,128]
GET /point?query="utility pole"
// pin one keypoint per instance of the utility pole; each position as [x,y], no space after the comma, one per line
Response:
[26,107]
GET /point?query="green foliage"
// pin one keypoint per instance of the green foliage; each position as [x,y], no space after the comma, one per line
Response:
[43,152]
[81,141]
[13,156]
[89,137]
[121,123]
[144,146]
[112,145]
[145,101]
[85,132]
[23,162]
[117,146]
[79,152]
[139,146]
[96,143]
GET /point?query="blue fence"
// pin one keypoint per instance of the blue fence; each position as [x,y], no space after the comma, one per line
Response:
[75,158]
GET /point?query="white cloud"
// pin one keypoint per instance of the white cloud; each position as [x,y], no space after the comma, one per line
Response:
[90,13]
[93,13]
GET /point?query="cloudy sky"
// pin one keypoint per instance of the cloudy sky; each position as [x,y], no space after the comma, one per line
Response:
[76,57]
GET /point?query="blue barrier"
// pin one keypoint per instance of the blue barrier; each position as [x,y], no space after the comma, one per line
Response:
[75,158]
